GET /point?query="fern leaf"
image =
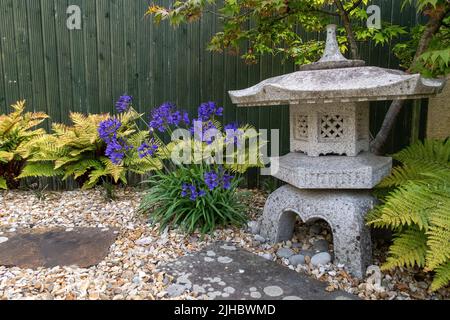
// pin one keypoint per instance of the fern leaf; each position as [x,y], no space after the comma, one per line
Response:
[405,206]
[6,157]
[409,249]
[442,277]
[45,169]
[3,183]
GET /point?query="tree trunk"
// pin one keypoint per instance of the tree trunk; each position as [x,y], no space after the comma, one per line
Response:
[348,28]
[432,27]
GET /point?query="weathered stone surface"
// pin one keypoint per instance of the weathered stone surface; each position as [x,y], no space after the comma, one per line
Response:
[339,129]
[438,117]
[332,57]
[247,277]
[83,247]
[337,86]
[343,210]
[333,172]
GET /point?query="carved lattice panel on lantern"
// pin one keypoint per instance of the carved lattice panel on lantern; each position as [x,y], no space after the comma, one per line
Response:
[301,127]
[332,127]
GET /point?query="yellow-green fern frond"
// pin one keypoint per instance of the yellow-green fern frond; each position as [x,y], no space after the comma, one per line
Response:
[409,249]
[442,277]
[3,183]
[419,209]
[44,169]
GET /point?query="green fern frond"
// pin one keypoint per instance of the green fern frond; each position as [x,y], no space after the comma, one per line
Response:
[442,277]
[6,157]
[427,152]
[111,169]
[409,249]
[424,173]
[3,183]
[41,169]
[405,206]
[419,209]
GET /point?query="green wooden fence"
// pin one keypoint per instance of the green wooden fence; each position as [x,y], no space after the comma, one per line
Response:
[118,50]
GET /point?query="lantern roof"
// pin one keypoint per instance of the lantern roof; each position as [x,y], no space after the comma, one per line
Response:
[334,79]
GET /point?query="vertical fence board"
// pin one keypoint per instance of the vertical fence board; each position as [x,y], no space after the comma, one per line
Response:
[8,46]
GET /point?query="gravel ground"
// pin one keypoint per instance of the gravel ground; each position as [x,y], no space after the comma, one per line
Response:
[128,272]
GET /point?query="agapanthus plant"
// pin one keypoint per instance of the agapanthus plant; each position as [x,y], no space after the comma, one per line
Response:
[199,191]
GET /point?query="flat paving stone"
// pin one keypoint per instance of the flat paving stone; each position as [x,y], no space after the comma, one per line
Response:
[82,247]
[246,276]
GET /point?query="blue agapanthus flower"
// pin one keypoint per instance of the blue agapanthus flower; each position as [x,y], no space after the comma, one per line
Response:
[116,149]
[211,180]
[167,115]
[107,129]
[191,191]
[123,104]
[226,181]
[148,149]
[209,109]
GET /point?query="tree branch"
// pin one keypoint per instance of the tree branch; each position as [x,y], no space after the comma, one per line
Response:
[348,28]
[432,27]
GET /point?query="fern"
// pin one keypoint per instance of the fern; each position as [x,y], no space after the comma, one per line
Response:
[418,209]
[3,183]
[16,129]
[77,151]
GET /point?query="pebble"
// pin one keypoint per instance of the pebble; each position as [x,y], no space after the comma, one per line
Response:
[175,290]
[144,241]
[253,227]
[3,239]
[285,253]
[307,253]
[259,238]
[321,259]
[297,259]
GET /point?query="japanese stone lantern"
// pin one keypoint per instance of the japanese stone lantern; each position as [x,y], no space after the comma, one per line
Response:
[330,171]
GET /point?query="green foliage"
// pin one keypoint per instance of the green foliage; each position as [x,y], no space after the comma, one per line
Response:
[16,129]
[77,151]
[417,209]
[217,208]
[435,61]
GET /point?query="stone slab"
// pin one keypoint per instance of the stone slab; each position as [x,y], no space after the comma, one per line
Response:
[83,247]
[364,171]
[224,271]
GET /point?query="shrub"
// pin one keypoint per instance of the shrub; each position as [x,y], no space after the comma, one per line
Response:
[16,129]
[197,192]
[78,151]
[418,210]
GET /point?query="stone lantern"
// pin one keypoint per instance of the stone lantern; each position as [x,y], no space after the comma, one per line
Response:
[330,171]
